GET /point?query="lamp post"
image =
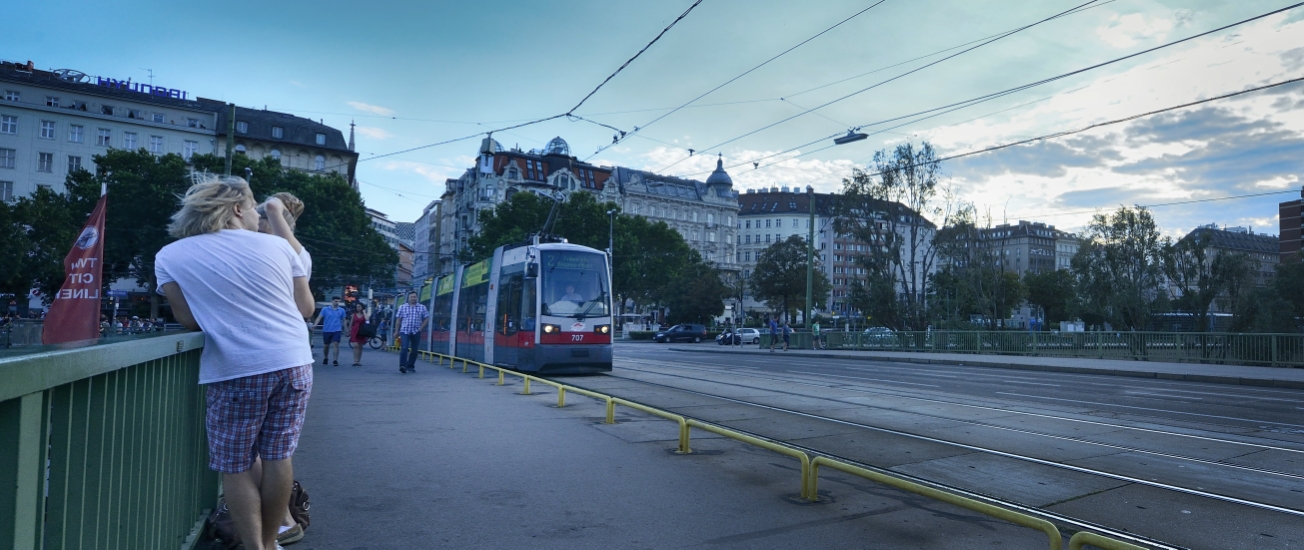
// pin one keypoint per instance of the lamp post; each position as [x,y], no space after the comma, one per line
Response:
[611,250]
[810,252]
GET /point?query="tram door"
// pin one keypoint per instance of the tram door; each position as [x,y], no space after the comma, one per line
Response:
[513,342]
[471,304]
[441,315]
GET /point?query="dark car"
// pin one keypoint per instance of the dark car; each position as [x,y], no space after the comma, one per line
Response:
[682,333]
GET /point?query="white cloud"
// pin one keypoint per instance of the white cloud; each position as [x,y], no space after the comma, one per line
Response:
[1125,31]
[374,133]
[373,109]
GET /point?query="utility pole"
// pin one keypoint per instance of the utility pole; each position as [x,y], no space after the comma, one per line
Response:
[230,139]
[810,252]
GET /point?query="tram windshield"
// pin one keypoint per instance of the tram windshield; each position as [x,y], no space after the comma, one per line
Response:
[575,284]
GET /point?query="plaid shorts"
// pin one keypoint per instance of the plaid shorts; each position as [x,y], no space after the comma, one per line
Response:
[259,415]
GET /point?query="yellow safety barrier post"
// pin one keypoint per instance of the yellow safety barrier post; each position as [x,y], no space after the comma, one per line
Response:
[527,385]
[481,371]
[464,366]
[1056,540]
[683,423]
[611,411]
[1082,538]
[561,396]
[807,489]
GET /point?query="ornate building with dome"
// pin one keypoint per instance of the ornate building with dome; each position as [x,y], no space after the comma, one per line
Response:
[705,213]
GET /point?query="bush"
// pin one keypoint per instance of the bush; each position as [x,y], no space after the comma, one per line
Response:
[641,334]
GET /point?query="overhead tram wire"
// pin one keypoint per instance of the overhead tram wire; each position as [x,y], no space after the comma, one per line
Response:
[897,77]
[640,52]
[731,80]
[1002,93]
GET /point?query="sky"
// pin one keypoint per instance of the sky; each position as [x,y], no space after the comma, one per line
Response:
[415,73]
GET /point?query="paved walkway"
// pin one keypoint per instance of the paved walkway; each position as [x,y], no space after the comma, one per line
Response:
[441,459]
[1281,377]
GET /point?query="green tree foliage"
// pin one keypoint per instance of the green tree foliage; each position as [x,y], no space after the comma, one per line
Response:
[890,208]
[334,228]
[1055,291]
[780,277]
[699,295]
[48,223]
[1199,276]
[1119,268]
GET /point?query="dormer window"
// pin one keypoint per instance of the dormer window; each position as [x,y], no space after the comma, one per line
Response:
[321,139]
[513,173]
[242,126]
[278,132]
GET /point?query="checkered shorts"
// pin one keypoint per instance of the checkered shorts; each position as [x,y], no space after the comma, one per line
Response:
[259,415]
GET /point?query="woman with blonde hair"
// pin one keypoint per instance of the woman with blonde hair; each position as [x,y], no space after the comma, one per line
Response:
[278,216]
[249,293]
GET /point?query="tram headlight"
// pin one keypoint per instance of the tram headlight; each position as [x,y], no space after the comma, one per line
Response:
[550,329]
[602,329]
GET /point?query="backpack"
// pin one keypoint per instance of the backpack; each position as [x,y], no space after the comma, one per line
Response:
[222,529]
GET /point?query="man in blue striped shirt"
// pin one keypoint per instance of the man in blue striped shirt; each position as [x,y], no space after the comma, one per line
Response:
[410,319]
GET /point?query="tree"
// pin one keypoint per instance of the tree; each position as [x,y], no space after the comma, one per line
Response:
[700,295]
[1054,291]
[15,275]
[780,276]
[1200,275]
[1119,267]
[889,209]
[48,222]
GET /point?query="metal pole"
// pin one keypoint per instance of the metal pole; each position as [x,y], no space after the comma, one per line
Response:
[810,252]
[611,258]
[230,139]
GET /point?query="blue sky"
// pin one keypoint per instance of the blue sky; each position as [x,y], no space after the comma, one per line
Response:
[414,73]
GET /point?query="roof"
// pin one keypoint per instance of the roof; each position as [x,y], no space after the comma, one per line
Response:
[297,130]
[11,72]
[783,202]
[667,186]
[406,231]
[1238,241]
[719,176]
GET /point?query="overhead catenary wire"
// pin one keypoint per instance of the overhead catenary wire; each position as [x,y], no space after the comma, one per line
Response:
[892,79]
[744,73]
[1008,91]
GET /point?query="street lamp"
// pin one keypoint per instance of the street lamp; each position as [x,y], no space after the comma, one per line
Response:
[611,250]
[852,135]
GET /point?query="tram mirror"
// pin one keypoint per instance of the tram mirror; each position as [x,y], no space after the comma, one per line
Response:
[531,270]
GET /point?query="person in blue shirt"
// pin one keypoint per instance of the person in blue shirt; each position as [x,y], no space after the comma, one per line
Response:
[332,327]
[774,333]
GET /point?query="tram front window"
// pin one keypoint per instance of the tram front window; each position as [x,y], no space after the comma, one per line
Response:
[575,284]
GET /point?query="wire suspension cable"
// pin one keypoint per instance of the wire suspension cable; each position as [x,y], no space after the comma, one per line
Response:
[731,80]
[640,52]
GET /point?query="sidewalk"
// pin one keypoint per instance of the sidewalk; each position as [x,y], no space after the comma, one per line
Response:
[1276,377]
[441,459]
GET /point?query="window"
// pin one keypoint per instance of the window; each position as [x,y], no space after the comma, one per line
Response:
[45,162]
[191,148]
[710,236]
[47,129]
[276,154]
[240,149]
[11,95]
[129,141]
[74,163]
[242,126]
[749,224]
[156,144]
[767,223]
[7,157]
[6,191]
[694,217]
[278,132]
[767,237]
[75,133]
[104,137]
[159,118]
[192,123]
[749,239]
[8,124]
[319,163]
[106,110]
[51,101]
[321,139]
[747,256]
[513,173]
[133,113]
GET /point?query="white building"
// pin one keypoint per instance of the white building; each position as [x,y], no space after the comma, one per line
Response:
[54,122]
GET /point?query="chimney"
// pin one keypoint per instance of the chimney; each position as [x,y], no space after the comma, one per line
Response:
[30,66]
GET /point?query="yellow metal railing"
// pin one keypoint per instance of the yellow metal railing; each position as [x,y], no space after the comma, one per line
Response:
[809,467]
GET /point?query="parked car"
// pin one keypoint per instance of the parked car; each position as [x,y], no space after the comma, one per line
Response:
[750,335]
[879,335]
[728,338]
[681,333]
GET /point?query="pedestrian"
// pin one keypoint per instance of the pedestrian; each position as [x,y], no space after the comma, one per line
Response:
[410,320]
[249,293]
[787,331]
[816,342]
[355,323]
[774,333]
[331,319]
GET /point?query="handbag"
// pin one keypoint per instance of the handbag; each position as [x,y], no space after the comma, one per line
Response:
[222,529]
[366,330]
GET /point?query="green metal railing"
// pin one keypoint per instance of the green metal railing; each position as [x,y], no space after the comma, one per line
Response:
[104,446]
[1284,350]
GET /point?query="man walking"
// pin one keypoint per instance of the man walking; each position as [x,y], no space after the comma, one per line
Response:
[787,332]
[411,318]
[774,333]
[815,336]
[332,327]
[249,293]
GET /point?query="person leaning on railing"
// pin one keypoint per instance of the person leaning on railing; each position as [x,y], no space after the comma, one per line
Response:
[249,293]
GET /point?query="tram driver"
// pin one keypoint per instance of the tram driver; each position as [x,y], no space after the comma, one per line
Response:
[572,296]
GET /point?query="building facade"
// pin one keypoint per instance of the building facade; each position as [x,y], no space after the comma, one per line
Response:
[425,243]
[299,143]
[53,122]
[1024,247]
[703,212]
[1289,228]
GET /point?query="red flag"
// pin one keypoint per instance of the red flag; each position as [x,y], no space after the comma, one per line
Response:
[75,313]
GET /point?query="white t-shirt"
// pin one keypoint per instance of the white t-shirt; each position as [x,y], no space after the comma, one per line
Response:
[240,287]
[305,259]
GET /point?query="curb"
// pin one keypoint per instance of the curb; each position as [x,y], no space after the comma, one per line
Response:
[1208,378]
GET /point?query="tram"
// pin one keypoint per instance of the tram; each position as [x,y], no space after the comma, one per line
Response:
[539,307]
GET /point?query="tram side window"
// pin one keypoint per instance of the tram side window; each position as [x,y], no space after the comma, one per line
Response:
[439,317]
[509,303]
[480,298]
[528,305]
